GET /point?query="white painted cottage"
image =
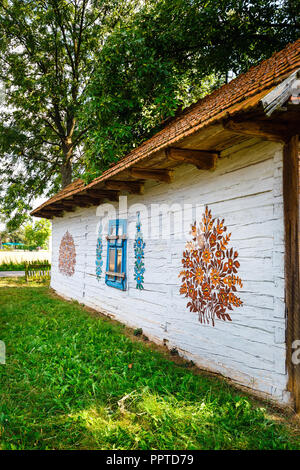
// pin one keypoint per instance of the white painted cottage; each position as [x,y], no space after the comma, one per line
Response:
[194,236]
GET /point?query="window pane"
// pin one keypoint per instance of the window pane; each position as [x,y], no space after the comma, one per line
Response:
[111,260]
[119,260]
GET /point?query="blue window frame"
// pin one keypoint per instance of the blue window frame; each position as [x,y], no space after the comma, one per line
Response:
[116,254]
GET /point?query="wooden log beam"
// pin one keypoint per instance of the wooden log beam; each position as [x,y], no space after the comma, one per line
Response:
[66,203]
[84,199]
[52,208]
[94,197]
[81,201]
[44,215]
[49,214]
[102,193]
[65,207]
[269,130]
[277,97]
[161,175]
[63,204]
[202,159]
[291,188]
[133,187]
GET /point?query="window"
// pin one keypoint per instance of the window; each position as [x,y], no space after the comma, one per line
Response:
[116,254]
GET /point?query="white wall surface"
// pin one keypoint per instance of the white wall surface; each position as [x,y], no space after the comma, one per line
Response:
[246,190]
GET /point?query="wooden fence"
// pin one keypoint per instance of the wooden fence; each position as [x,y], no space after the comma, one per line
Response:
[37,271]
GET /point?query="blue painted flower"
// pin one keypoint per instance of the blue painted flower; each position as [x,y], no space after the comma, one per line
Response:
[139,246]
[99,260]
[139,242]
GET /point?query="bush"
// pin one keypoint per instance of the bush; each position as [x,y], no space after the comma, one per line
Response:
[11,266]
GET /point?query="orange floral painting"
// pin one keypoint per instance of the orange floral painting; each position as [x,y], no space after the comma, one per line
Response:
[67,255]
[210,271]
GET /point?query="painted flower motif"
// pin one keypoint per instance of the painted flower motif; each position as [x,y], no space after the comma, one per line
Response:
[200,241]
[67,255]
[220,227]
[187,261]
[212,239]
[193,231]
[139,246]
[234,300]
[219,255]
[229,281]
[229,265]
[206,256]
[199,275]
[183,289]
[206,290]
[223,297]
[232,264]
[192,292]
[99,259]
[189,274]
[209,277]
[139,242]
[215,277]
[190,246]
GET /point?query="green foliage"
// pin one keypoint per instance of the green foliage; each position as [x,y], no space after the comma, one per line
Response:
[76,381]
[47,51]
[12,266]
[16,235]
[37,233]
[133,90]
[18,247]
[170,54]
[31,235]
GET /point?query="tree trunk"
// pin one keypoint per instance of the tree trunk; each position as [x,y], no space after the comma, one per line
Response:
[66,174]
[66,168]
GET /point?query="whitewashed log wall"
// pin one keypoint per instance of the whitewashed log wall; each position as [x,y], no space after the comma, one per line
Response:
[245,189]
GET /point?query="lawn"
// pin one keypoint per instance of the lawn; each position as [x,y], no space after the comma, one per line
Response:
[76,380]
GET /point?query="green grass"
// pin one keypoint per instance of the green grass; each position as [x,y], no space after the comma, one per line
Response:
[67,372]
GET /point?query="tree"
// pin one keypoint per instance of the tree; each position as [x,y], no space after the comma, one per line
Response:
[146,58]
[14,236]
[170,54]
[47,50]
[37,234]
